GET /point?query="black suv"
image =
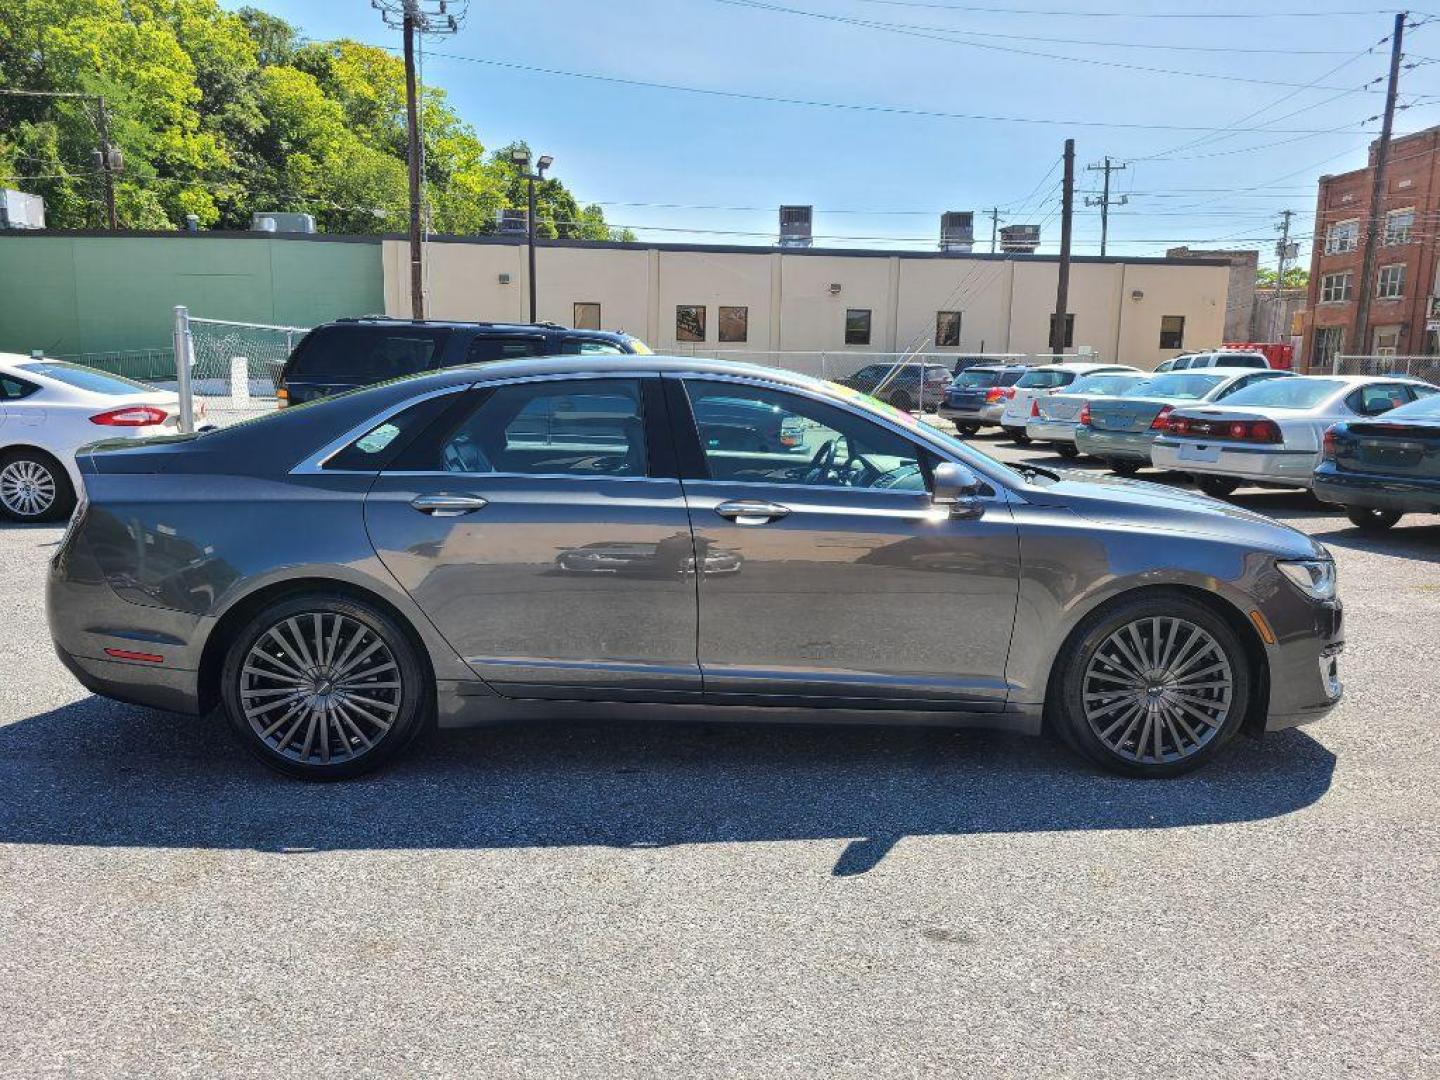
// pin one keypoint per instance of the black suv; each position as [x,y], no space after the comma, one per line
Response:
[348,353]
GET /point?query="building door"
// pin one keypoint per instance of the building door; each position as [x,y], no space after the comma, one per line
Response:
[1328,342]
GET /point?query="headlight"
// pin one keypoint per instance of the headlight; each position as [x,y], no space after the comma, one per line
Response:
[1314,577]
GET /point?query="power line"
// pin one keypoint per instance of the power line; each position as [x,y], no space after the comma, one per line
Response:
[937,5]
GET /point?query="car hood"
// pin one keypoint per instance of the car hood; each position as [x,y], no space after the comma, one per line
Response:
[1113,500]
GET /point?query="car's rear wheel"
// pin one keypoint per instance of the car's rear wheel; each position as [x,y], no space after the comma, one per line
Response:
[1017,435]
[1152,687]
[1123,468]
[1067,450]
[1216,486]
[324,687]
[967,429]
[1368,519]
[34,487]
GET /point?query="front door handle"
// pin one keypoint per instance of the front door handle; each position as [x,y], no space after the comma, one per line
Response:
[751,511]
[448,505]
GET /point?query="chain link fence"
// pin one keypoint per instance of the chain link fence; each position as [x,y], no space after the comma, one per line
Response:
[1416,367]
[235,366]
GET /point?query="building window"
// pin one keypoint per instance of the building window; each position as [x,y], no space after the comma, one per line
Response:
[1172,331]
[1387,340]
[947,328]
[1069,332]
[857,326]
[1342,236]
[587,315]
[734,323]
[1336,288]
[1398,226]
[690,322]
[1390,285]
[1328,340]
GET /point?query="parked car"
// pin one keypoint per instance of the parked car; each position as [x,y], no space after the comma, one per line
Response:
[1039,382]
[350,353]
[1226,358]
[1380,470]
[1271,433]
[48,410]
[341,575]
[965,363]
[904,388]
[977,396]
[1119,430]
[1054,417]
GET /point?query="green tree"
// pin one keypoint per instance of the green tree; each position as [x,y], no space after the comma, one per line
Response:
[1296,277]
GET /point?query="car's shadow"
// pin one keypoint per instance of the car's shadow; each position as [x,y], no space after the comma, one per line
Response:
[99,774]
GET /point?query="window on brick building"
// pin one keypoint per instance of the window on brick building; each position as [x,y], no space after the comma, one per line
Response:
[1336,288]
[1398,226]
[1342,236]
[1390,285]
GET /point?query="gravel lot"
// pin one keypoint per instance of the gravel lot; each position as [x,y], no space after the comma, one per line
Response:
[617,899]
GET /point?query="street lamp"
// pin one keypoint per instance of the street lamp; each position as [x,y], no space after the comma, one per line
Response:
[521,157]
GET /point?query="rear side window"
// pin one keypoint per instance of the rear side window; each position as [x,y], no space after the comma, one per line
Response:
[88,378]
[378,447]
[365,354]
[1378,398]
[13,389]
[487,348]
[590,347]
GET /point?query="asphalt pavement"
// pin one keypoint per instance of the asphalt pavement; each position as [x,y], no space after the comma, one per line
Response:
[622,899]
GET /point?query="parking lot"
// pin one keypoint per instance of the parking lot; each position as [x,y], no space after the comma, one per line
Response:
[623,899]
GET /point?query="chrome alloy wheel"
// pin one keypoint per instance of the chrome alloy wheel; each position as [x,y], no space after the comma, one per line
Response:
[320,688]
[1158,690]
[27,488]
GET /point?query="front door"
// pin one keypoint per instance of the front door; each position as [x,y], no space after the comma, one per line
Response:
[543,537]
[824,571]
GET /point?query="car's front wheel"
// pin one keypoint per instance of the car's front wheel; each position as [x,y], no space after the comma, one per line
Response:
[1152,687]
[1368,519]
[34,487]
[324,687]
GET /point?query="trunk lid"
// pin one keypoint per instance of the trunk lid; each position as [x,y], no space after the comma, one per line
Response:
[1125,414]
[1396,448]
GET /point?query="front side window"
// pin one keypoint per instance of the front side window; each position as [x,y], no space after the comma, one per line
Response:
[1342,236]
[857,326]
[572,427]
[1172,331]
[1069,332]
[734,323]
[1399,224]
[1390,285]
[805,442]
[1336,288]
[587,315]
[690,322]
[947,328]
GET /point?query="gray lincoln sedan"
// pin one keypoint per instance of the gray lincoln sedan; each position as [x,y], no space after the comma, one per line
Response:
[457,547]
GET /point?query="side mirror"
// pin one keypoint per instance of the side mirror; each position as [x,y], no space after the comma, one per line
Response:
[955,485]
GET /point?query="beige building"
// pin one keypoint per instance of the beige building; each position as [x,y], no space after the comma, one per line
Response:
[701,298]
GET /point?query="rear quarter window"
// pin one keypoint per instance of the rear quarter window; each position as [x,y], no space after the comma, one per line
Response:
[364,354]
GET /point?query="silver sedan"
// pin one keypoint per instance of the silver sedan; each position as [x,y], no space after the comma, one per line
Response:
[1272,433]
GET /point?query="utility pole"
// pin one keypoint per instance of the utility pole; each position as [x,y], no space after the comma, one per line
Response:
[413,17]
[994,214]
[1360,343]
[1062,289]
[1104,200]
[1283,255]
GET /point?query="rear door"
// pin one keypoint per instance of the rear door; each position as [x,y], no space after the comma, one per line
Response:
[541,527]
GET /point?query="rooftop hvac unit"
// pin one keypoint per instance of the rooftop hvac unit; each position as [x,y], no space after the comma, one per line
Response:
[957,231]
[512,221]
[278,222]
[1021,239]
[21,210]
[795,225]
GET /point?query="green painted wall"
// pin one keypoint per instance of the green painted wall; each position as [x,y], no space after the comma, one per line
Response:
[81,294]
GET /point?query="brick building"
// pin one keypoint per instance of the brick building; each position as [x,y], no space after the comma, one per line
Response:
[1405,263]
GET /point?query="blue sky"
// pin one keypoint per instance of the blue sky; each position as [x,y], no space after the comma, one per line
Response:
[881,178]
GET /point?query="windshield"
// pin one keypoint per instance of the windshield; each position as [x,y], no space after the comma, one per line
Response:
[1287,393]
[1180,385]
[88,378]
[1045,380]
[1105,385]
[973,378]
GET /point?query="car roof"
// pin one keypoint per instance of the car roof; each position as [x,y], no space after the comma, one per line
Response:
[1083,368]
[461,324]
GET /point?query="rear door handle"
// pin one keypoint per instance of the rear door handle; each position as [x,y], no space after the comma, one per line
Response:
[751,511]
[448,505]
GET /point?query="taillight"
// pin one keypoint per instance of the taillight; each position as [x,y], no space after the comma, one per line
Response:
[130,416]
[1327,443]
[994,394]
[1085,413]
[1178,425]
[1266,431]
[1159,423]
[1034,407]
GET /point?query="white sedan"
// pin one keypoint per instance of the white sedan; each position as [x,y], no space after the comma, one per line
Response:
[1272,433]
[48,410]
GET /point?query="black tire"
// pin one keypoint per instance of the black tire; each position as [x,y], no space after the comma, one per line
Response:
[1216,486]
[411,700]
[1370,520]
[1018,436]
[1123,468]
[34,487]
[905,402]
[1067,450]
[967,430]
[1066,705]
